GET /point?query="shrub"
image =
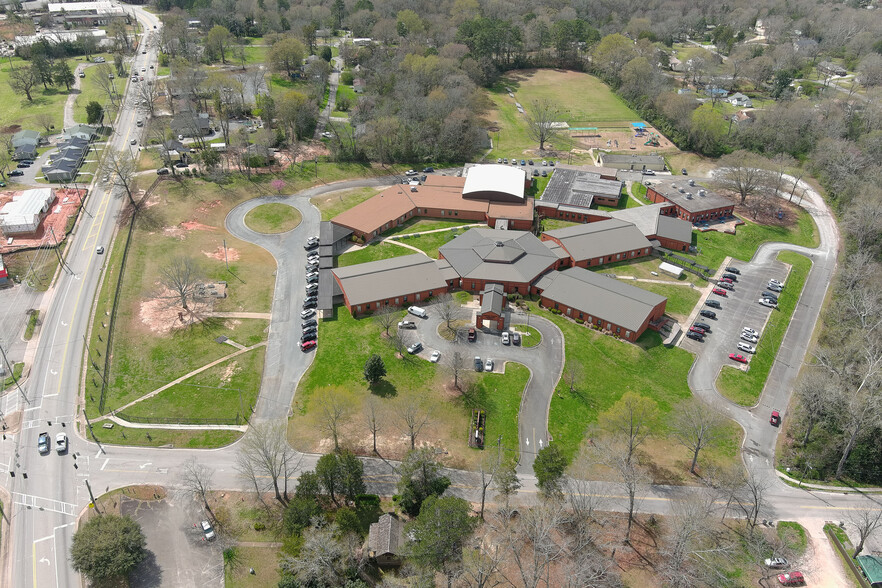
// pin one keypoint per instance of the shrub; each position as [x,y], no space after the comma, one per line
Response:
[346,78]
[580,321]
[258,526]
[555,311]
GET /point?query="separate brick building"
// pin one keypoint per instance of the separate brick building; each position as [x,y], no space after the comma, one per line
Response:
[602,242]
[492,307]
[621,309]
[694,203]
[659,224]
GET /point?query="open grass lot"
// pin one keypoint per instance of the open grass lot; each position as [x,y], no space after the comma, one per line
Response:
[714,246]
[90,90]
[418,225]
[332,204]
[743,387]
[550,224]
[163,437]
[537,189]
[274,217]
[255,55]
[264,561]
[681,299]
[639,192]
[42,265]
[224,391]
[346,343]
[611,367]
[349,93]
[17,110]
[642,268]
[431,242]
[373,252]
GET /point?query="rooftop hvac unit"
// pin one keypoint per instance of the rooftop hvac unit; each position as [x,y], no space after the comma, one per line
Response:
[691,182]
[413,188]
[674,186]
[688,195]
[702,193]
[681,190]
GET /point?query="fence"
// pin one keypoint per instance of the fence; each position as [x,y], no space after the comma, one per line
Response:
[683,263]
[847,558]
[237,420]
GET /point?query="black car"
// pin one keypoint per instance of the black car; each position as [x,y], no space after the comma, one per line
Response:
[181,165]
[23,165]
[309,246]
[713,303]
[704,326]
[708,314]
[16,172]
[311,299]
[309,323]
[428,170]
[733,270]
[732,277]
[310,331]
[309,304]
[311,267]
[535,173]
[308,337]
[530,162]
[696,336]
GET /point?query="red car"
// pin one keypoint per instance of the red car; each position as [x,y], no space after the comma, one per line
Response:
[719,292]
[726,280]
[791,579]
[697,330]
[738,357]
[775,419]
[307,345]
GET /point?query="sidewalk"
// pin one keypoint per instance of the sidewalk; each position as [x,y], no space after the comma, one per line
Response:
[826,488]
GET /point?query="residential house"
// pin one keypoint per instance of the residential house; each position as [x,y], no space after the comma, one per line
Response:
[189,124]
[358,85]
[740,100]
[25,144]
[85,132]
[385,541]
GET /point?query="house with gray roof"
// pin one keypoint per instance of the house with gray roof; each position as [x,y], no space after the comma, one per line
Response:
[86,132]
[601,301]
[513,259]
[492,306]
[395,282]
[25,143]
[385,540]
[606,241]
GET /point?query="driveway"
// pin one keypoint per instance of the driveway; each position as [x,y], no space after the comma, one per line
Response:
[178,557]
[545,362]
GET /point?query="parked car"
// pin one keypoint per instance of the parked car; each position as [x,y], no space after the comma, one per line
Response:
[535,173]
[544,174]
[523,162]
[410,172]
[82,74]
[305,314]
[309,323]
[428,170]
[436,355]
[310,304]
[732,277]
[473,335]
[23,165]
[648,172]
[312,279]
[698,330]
[737,357]
[504,160]
[726,280]
[208,531]
[704,326]
[309,245]
[776,563]
[770,295]
[551,163]
[733,270]
[308,337]
[719,292]
[415,348]
[776,282]
[406,325]
[516,338]
[506,338]
[775,287]
[708,314]
[307,345]
[163,171]
[15,172]
[775,419]
[182,165]
[488,365]
[750,331]
[310,331]
[499,160]
[544,162]
[713,304]
[791,579]
[726,286]
[61,442]
[695,336]
[742,346]
[479,366]
[767,302]
[749,338]
[683,171]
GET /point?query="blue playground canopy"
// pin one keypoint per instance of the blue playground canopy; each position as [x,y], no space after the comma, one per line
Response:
[639,125]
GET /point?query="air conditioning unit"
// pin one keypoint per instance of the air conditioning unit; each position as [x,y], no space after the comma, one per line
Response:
[413,188]
[681,190]
[691,182]
[688,195]
[702,193]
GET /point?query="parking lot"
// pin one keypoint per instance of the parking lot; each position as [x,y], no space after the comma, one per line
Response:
[739,309]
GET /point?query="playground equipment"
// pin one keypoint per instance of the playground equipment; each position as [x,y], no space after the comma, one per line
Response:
[653,140]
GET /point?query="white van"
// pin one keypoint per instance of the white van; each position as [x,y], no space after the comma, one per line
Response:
[417,311]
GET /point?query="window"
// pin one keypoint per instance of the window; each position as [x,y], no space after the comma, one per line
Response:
[555,305]
[430,293]
[417,297]
[618,256]
[627,334]
[396,302]
[618,329]
[580,315]
[405,298]
[358,308]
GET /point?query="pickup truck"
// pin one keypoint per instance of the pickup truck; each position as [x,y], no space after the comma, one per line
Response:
[43,443]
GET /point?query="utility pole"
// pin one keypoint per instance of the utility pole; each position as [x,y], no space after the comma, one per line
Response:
[226,261]
[58,253]
[92,497]
[92,361]
[12,373]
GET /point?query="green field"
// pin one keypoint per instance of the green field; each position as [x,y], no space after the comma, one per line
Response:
[90,90]
[681,299]
[274,217]
[531,336]
[346,343]
[255,55]
[418,225]
[743,387]
[330,205]
[372,252]
[164,437]
[343,90]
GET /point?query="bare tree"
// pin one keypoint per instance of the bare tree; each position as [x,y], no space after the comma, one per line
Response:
[816,396]
[536,544]
[629,421]
[449,309]
[573,374]
[691,542]
[751,497]
[265,458]
[120,167]
[147,95]
[458,367]
[741,172]
[45,120]
[695,426]
[180,275]
[413,418]
[387,318]
[197,482]
[540,118]
[104,80]
[334,415]
[506,483]
[480,566]
[865,522]
[373,420]
[863,220]
[488,467]
[615,453]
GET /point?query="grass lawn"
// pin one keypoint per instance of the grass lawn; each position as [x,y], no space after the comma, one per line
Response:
[431,242]
[639,191]
[149,159]
[793,535]
[32,324]
[714,246]
[642,269]
[348,92]
[530,337]
[264,561]
[745,387]
[417,225]
[255,55]
[681,299]
[625,201]
[372,252]
[330,205]
[537,189]
[273,218]
[551,224]
[90,90]
[163,437]
[224,391]
[338,370]
[11,379]
[37,267]
[610,368]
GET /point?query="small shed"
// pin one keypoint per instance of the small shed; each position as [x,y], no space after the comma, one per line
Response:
[871,566]
[492,306]
[670,269]
[385,540]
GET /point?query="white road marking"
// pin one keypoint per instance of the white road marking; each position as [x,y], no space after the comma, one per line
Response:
[144,465]
[104,465]
[45,561]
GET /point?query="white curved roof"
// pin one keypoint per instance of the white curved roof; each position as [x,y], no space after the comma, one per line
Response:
[495,178]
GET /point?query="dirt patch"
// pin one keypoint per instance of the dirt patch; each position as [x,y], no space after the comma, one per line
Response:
[163,313]
[230,371]
[206,207]
[310,152]
[620,140]
[174,232]
[779,213]
[197,226]
[218,254]
[11,423]
[11,129]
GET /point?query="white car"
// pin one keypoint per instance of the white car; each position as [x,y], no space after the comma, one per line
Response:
[749,338]
[767,302]
[61,442]
[327,135]
[506,338]
[750,331]
[775,287]
[776,282]
[208,531]
[406,325]
[742,346]
[143,69]
[488,365]
[305,314]
[410,172]
[776,563]
[436,355]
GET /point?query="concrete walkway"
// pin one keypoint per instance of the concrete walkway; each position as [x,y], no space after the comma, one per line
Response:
[174,427]
[245,315]
[181,379]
